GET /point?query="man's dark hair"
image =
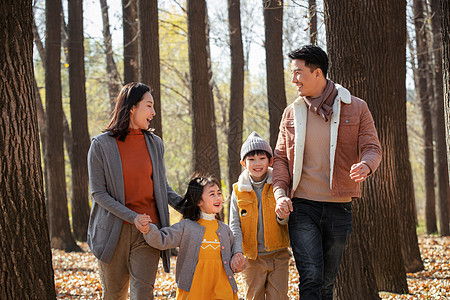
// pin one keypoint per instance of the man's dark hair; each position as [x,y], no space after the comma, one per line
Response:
[313,56]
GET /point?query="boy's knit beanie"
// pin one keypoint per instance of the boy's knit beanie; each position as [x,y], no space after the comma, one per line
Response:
[255,142]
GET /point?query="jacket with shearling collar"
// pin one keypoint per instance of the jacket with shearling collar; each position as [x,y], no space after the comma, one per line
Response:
[244,217]
[353,139]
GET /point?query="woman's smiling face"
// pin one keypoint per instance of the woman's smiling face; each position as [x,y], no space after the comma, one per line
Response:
[142,113]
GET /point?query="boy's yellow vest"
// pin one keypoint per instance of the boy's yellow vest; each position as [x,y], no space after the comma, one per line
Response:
[276,236]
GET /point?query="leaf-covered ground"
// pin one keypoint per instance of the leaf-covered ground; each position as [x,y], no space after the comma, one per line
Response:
[76,275]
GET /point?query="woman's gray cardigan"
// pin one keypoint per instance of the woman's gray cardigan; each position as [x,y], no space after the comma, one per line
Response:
[188,235]
[108,194]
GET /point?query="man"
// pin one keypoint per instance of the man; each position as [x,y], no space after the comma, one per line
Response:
[326,146]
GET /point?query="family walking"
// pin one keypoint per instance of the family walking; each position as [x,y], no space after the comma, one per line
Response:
[327,145]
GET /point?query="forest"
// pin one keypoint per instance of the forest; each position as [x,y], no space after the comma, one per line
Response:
[218,70]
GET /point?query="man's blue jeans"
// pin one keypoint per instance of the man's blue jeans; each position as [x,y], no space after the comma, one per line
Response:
[318,233]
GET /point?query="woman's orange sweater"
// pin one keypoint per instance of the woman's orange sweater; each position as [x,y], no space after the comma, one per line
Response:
[137,174]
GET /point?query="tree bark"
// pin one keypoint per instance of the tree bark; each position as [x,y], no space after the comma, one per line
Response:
[356,277]
[403,178]
[149,69]
[204,136]
[439,130]
[41,112]
[60,234]
[276,95]
[424,100]
[445,35]
[113,78]
[130,41]
[26,263]
[312,22]
[359,50]
[80,132]
[236,111]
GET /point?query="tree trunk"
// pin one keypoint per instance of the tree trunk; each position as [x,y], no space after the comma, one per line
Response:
[405,197]
[276,95]
[40,109]
[236,111]
[149,69]
[204,136]
[60,234]
[359,50]
[356,279]
[312,22]
[113,78]
[424,100]
[80,132]
[445,35]
[130,41]
[26,261]
[41,112]
[403,179]
[439,130]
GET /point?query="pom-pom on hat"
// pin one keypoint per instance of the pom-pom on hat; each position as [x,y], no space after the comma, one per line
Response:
[255,142]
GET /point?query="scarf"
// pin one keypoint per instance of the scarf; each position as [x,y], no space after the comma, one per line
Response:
[323,104]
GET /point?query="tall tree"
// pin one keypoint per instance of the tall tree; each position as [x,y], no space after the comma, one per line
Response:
[130,41]
[403,178]
[312,21]
[423,92]
[113,78]
[24,243]
[359,50]
[149,69]
[78,112]
[204,136]
[445,35]
[439,129]
[60,233]
[41,113]
[236,111]
[39,105]
[273,29]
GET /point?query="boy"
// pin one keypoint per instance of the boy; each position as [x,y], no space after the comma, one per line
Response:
[258,233]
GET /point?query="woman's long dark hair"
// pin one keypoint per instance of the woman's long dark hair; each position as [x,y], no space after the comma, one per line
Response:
[193,196]
[131,94]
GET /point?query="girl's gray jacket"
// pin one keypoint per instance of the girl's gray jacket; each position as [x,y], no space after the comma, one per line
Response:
[108,194]
[188,235]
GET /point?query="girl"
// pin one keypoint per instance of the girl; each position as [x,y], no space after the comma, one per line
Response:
[127,181]
[206,244]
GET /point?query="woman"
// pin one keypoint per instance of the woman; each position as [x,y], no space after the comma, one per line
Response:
[127,180]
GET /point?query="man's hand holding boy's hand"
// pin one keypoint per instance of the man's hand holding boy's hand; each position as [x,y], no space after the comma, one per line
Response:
[284,207]
[238,262]
[142,222]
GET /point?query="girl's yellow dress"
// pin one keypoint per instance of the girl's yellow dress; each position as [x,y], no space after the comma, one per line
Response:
[210,279]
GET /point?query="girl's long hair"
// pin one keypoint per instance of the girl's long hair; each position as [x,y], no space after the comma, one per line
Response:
[193,196]
[130,95]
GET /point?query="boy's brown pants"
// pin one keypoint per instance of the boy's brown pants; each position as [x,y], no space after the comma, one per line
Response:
[267,276]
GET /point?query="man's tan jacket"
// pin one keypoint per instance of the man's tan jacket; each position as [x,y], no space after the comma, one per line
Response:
[353,139]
